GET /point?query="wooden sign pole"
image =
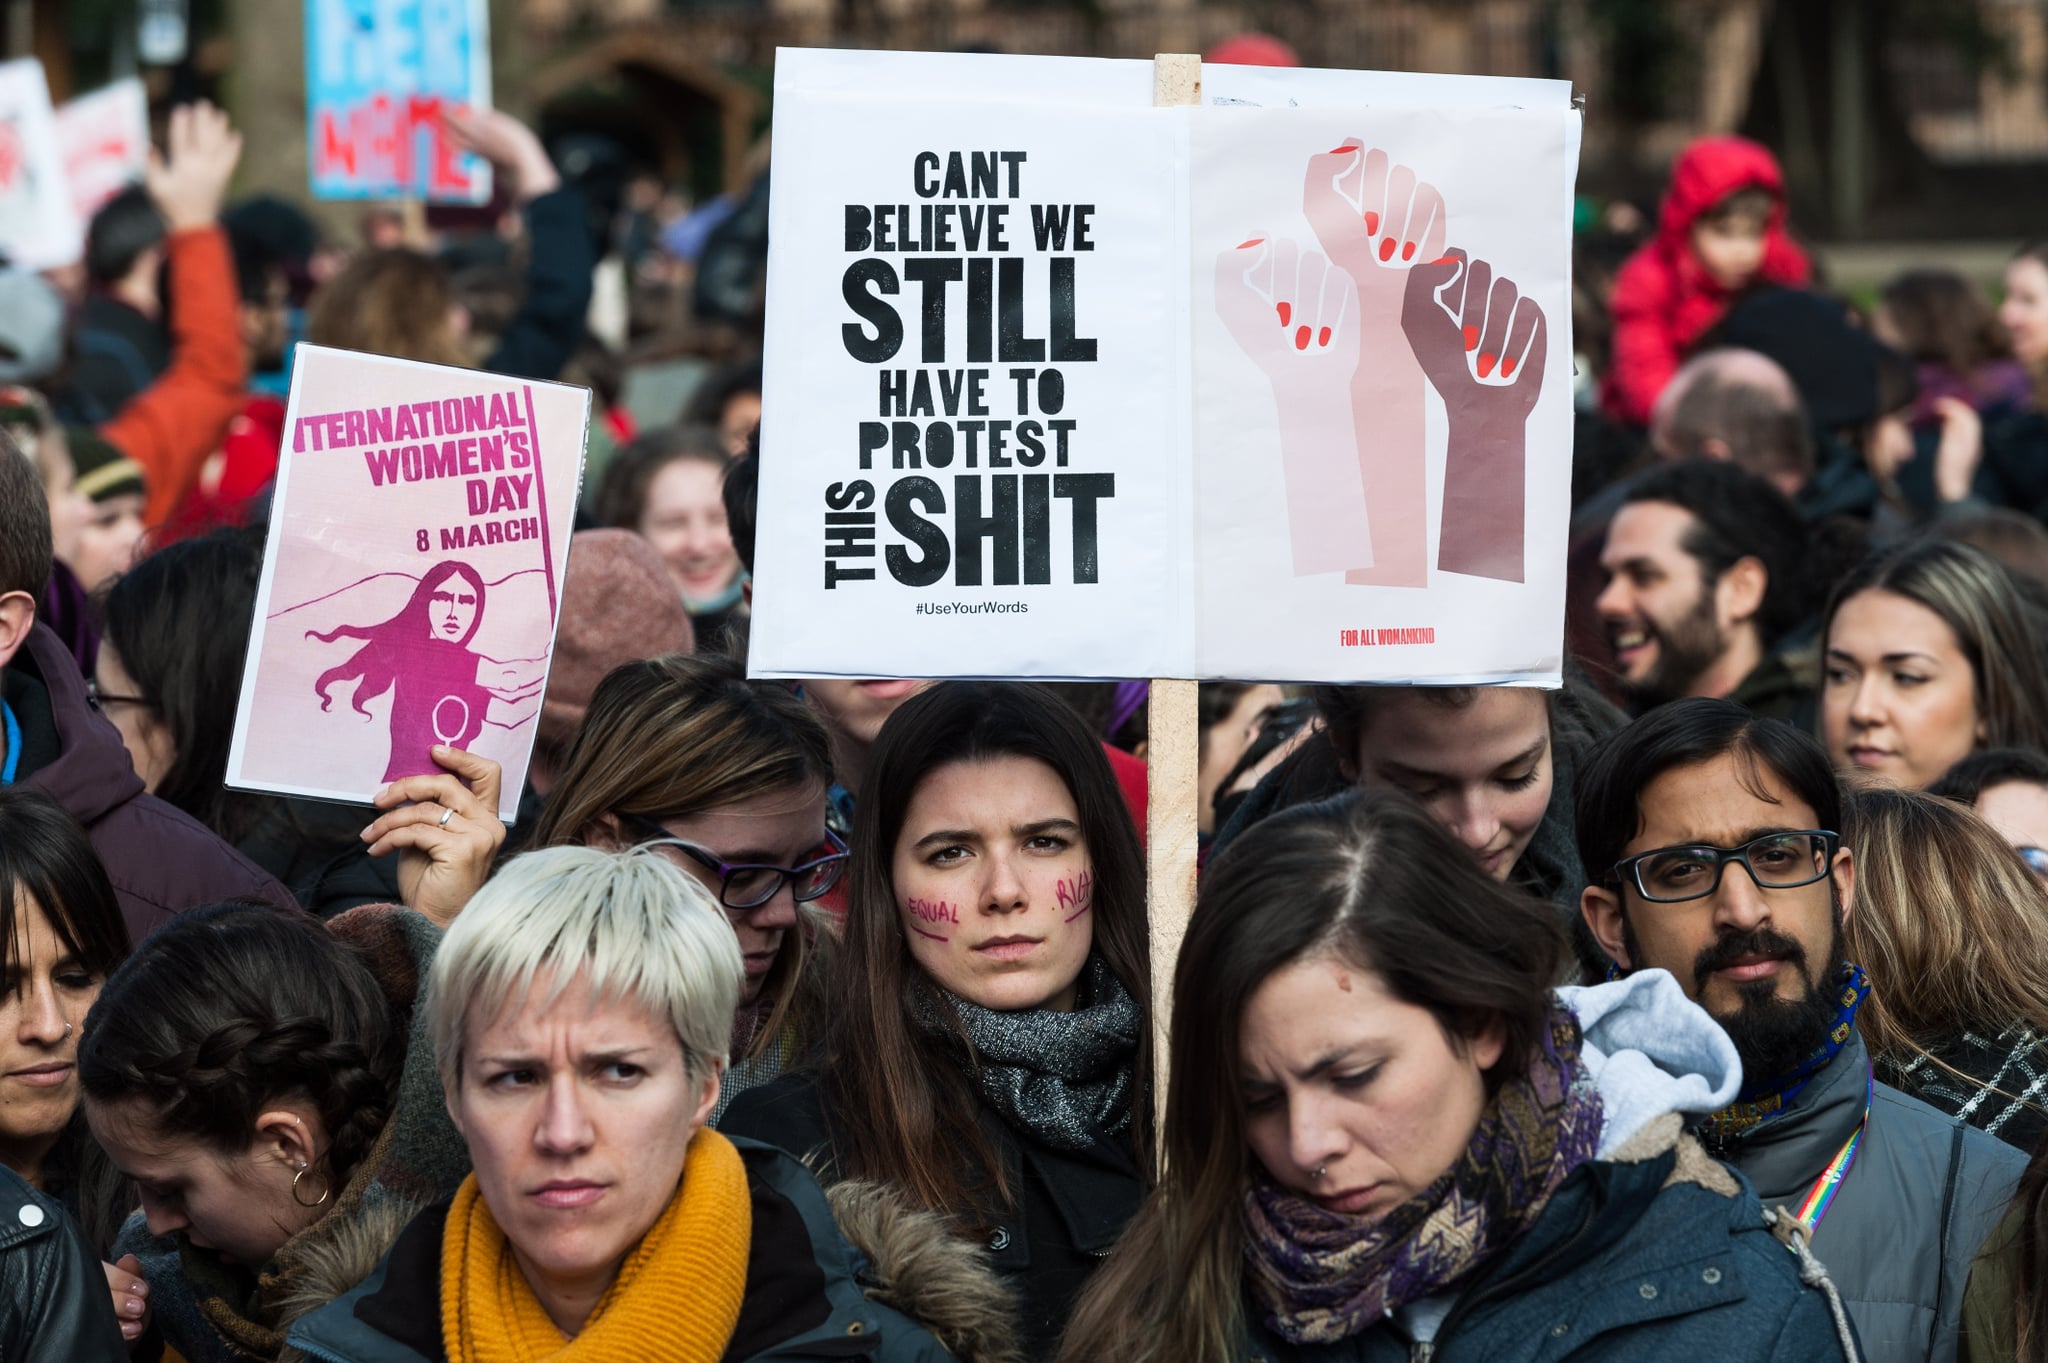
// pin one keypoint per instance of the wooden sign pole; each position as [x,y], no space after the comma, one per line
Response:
[412,219]
[1172,739]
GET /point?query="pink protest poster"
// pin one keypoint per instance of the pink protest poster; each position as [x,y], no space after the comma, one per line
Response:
[413,574]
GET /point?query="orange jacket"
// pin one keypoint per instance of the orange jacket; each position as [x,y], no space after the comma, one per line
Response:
[170,427]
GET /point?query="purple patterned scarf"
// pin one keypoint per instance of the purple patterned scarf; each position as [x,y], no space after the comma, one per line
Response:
[1320,1276]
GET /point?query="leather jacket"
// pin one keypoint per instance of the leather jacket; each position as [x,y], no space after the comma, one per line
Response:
[54,1301]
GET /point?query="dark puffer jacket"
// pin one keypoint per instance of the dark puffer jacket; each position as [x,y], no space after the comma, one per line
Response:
[161,859]
[1656,1253]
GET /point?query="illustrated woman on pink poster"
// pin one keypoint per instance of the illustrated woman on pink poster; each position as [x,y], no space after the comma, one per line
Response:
[442,691]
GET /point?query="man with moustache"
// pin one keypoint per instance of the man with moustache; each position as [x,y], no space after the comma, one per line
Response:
[1710,835]
[1702,569]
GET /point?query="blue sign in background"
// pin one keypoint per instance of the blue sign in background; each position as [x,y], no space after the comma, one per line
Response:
[379,73]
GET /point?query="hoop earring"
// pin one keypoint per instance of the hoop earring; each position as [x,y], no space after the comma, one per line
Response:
[325,1189]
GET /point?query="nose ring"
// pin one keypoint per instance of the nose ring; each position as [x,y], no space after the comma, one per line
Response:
[1319,1172]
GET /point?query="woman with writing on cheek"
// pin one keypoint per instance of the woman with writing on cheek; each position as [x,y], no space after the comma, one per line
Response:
[985,1056]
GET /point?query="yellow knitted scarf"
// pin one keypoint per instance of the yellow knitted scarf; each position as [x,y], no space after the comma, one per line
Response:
[676,1299]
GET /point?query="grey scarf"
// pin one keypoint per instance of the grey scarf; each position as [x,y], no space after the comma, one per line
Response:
[1064,1077]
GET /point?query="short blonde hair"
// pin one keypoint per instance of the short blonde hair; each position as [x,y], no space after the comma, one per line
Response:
[638,928]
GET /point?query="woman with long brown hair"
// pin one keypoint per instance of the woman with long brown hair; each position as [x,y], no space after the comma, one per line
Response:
[1953,929]
[727,778]
[987,1053]
[1387,1136]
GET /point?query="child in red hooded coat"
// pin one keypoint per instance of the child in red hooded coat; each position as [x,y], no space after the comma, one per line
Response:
[1721,230]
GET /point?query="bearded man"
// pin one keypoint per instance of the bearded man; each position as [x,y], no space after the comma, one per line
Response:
[1713,841]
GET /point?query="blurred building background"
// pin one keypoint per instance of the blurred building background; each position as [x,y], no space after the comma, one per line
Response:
[1896,119]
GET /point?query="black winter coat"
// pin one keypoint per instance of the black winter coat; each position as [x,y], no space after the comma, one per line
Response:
[1072,1207]
[53,1295]
[548,327]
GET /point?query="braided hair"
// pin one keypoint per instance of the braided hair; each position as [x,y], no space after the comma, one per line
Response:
[227,1010]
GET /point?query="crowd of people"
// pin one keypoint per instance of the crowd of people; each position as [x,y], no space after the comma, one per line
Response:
[1701,1004]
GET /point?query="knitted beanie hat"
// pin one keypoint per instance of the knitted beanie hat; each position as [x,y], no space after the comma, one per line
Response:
[619,605]
[103,471]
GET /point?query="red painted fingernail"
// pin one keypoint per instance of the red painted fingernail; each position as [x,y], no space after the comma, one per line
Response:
[1286,312]
[1372,222]
[1301,339]
[1507,367]
[1246,245]
[1407,250]
[1471,338]
[1387,249]
[1444,260]
[1347,147]
[1485,364]
[1324,337]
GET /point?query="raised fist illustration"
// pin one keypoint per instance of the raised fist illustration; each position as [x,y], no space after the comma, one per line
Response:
[1296,315]
[1375,219]
[1378,221]
[1483,346]
[1291,310]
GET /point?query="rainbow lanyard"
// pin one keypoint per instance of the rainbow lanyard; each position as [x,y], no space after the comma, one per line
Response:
[1822,1194]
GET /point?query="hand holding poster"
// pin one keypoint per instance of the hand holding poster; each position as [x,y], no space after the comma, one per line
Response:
[39,226]
[380,75]
[412,577]
[1263,393]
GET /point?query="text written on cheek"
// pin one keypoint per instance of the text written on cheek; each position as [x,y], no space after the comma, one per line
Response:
[1075,895]
[933,911]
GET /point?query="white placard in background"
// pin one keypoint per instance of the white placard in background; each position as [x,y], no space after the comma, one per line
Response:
[39,226]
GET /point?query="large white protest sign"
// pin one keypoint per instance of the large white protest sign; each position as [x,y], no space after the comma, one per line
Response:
[39,226]
[413,574]
[1312,359]
[105,141]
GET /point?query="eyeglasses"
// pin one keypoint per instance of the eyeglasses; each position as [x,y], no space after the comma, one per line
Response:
[1775,861]
[99,697]
[744,885]
[2036,859]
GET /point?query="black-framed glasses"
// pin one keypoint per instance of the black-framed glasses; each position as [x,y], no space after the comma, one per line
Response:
[99,697]
[744,885]
[1775,861]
